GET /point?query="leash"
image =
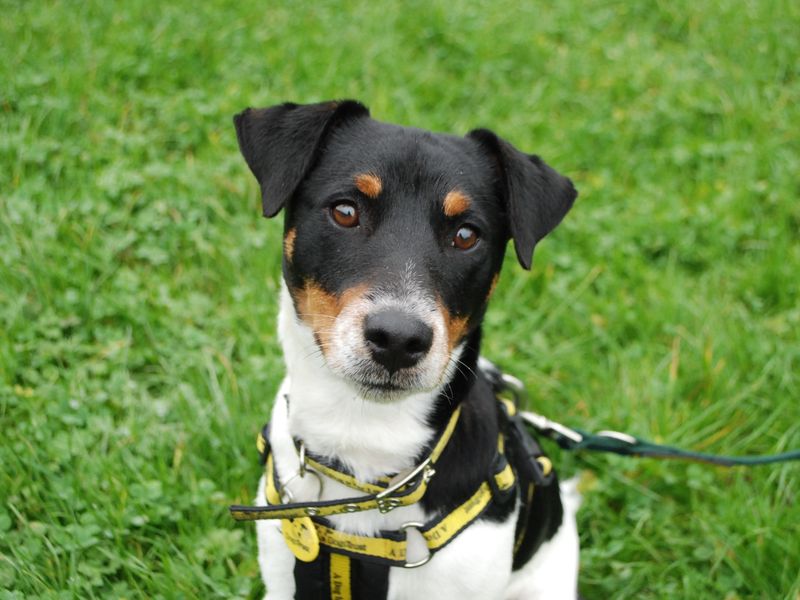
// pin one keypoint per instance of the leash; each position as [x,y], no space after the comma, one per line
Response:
[617,442]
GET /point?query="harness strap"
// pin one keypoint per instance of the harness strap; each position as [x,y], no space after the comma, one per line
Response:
[403,489]
[541,510]
[390,547]
[405,496]
[337,565]
[338,577]
[382,483]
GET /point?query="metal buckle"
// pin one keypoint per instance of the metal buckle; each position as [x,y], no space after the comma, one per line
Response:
[542,423]
[385,502]
[415,526]
[386,505]
[401,479]
[516,387]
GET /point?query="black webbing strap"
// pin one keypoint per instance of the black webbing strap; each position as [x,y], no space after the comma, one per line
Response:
[311,579]
[329,577]
[541,510]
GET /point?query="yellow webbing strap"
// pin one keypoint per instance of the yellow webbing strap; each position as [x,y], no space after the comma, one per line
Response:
[375,547]
[347,479]
[511,408]
[261,443]
[436,533]
[406,495]
[451,525]
[271,491]
[526,509]
[505,478]
[340,577]
[376,488]
[389,547]
[277,510]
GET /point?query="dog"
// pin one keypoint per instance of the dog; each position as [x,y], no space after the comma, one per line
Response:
[394,238]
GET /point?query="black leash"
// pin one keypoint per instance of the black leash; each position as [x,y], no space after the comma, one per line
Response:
[616,442]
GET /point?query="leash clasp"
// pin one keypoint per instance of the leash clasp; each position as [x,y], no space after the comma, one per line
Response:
[545,425]
[619,436]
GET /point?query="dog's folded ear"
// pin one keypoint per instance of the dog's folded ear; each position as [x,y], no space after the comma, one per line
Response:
[537,196]
[281,143]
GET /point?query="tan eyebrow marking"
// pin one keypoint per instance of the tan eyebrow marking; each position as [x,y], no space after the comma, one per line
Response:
[369,184]
[288,244]
[455,203]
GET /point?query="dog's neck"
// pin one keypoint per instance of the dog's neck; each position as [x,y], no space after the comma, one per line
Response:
[335,421]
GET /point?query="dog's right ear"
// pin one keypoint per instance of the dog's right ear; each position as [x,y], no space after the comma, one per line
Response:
[281,143]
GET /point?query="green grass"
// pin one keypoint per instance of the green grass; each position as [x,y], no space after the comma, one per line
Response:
[138,282]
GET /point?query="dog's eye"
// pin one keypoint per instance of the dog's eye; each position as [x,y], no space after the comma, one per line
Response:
[466,237]
[345,214]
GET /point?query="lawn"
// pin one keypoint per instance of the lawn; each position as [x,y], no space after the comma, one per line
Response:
[138,282]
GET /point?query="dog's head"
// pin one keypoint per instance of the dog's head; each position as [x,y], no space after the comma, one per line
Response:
[394,237]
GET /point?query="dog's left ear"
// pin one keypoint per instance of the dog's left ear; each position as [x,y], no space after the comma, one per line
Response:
[537,196]
[281,143]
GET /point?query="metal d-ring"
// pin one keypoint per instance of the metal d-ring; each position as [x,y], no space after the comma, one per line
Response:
[287,496]
[303,469]
[415,526]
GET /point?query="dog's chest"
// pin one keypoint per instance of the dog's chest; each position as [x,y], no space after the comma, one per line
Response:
[314,486]
[476,564]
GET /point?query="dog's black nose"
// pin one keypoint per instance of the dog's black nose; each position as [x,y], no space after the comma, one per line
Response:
[396,339]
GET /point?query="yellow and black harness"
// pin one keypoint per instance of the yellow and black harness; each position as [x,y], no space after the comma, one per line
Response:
[333,564]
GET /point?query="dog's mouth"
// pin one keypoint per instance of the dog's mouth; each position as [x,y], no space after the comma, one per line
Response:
[376,384]
[382,392]
[386,389]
